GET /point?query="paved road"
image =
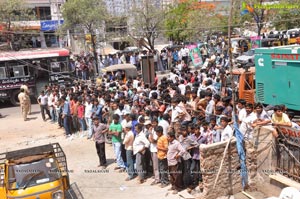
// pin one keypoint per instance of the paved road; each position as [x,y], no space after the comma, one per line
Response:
[81,157]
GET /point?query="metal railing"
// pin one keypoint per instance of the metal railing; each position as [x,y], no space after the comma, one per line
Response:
[288,153]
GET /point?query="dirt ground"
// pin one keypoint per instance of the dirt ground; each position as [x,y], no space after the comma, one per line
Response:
[81,157]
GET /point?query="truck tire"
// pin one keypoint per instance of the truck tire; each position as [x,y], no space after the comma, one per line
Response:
[108,139]
[14,98]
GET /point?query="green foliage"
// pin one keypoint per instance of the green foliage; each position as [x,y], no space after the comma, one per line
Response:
[89,14]
[260,15]
[176,21]
[190,21]
[14,10]
[147,23]
[285,19]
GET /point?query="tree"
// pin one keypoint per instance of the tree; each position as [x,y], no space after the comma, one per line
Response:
[259,14]
[287,18]
[176,21]
[87,14]
[189,19]
[205,21]
[147,21]
[13,10]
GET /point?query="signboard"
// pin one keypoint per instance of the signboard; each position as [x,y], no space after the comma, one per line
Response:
[50,25]
[255,41]
[196,56]
[15,82]
[290,132]
[285,56]
[88,38]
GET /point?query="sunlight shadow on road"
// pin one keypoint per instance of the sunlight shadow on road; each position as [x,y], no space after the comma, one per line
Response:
[34,113]
[31,118]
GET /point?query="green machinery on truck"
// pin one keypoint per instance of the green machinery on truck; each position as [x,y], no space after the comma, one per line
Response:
[278,76]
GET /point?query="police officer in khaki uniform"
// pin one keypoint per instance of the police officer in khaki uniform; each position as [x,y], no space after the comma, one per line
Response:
[24,102]
[25,87]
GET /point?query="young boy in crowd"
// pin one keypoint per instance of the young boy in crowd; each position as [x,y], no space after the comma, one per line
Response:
[162,149]
[175,152]
[128,142]
[188,144]
[99,130]
[115,129]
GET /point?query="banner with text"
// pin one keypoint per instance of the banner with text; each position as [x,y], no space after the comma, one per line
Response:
[195,55]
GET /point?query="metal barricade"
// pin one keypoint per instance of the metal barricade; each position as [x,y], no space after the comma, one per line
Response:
[288,153]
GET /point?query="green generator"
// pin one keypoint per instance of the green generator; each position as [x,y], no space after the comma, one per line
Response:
[278,76]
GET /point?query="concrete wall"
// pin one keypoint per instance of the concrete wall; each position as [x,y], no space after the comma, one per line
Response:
[266,158]
[260,161]
[229,180]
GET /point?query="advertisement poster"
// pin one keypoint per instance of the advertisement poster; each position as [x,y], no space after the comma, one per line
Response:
[255,41]
[196,56]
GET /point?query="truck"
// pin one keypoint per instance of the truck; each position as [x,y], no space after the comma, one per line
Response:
[245,80]
[36,173]
[35,68]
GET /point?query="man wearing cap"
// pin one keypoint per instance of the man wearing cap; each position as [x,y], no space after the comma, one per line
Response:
[24,102]
[128,142]
[27,92]
[99,130]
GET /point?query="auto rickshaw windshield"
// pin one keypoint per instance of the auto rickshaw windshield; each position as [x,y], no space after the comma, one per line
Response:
[21,176]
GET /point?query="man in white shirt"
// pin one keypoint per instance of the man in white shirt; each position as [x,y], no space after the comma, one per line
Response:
[241,109]
[43,102]
[177,116]
[164,123]
[185,52]
[246,127]
[227,130]
[140,144]
[153,149]
[181,86]
[133,59]
[128,142]
[88,117]
[136,82]
[210,108]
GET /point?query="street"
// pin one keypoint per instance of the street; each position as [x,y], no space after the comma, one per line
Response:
[81,156]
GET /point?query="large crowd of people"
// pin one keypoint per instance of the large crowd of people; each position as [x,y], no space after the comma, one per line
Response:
[174,56]
[156,129]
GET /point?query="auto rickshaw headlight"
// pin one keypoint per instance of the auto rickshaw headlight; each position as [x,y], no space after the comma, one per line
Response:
[57,195]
